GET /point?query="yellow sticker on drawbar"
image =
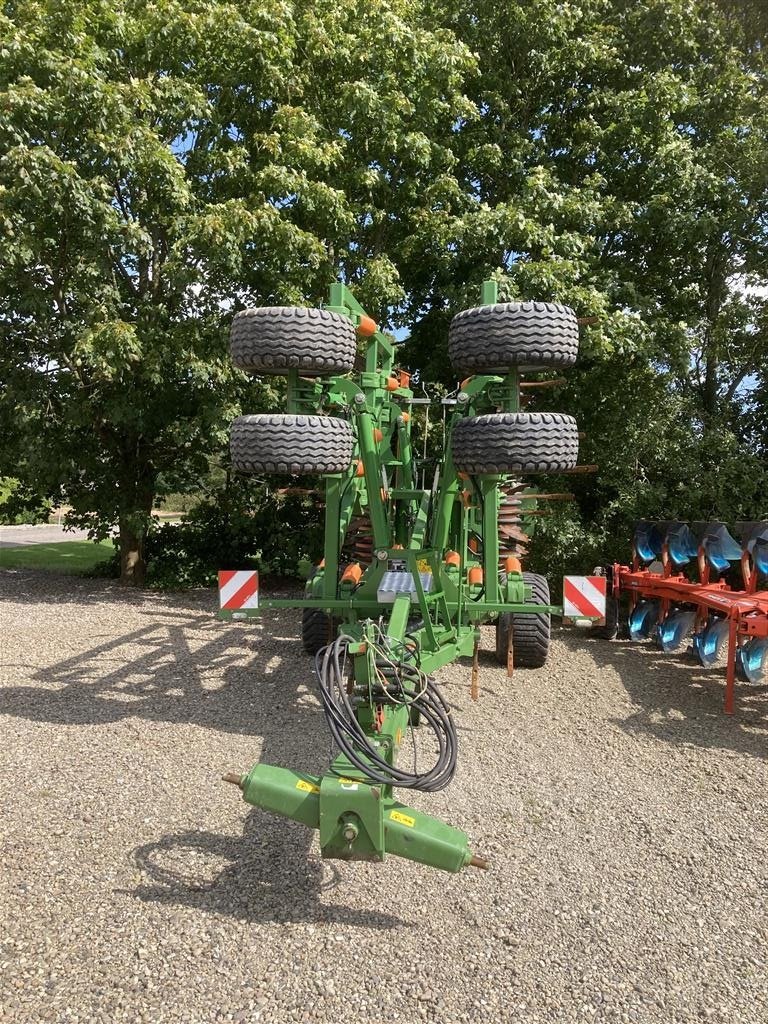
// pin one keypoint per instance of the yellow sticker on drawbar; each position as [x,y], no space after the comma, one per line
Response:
[402,819]
[307,787]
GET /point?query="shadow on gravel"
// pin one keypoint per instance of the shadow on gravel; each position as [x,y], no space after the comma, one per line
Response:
[180,667]
[680,702]
[267,874]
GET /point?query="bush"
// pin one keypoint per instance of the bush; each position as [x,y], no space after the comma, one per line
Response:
[19,505]
[242,527]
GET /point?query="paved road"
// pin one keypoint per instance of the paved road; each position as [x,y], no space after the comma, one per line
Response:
[47,533]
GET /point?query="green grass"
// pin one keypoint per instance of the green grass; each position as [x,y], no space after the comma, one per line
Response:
[71,556]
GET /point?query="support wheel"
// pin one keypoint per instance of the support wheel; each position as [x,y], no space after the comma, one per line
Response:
[276,339]
[281,443]
[530,630]
[515,442]
[528,335]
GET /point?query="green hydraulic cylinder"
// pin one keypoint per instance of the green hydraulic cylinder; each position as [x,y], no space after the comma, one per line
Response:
[355,807]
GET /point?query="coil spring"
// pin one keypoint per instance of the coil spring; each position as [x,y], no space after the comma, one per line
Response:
[358,543]
[513,540]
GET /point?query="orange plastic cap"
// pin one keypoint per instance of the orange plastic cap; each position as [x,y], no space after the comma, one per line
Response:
[473,545]
[377,435]
[452,558]
[360,471]
[367,327]
[392,383]
[353,573]
[512,564]
[475,575]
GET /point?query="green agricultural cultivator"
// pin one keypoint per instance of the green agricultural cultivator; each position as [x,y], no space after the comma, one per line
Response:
[683,585]
[409,572]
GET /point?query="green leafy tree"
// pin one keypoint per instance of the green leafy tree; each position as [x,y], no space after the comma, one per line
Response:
[162,163]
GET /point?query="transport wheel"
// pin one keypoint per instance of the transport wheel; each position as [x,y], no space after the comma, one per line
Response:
[529,335]
[515,442]
[275,339]
[281,443]
[611,628]
[530,630]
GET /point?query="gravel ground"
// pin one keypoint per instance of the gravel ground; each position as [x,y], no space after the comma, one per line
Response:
[624,816]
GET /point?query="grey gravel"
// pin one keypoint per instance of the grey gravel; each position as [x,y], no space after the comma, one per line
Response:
[624,815]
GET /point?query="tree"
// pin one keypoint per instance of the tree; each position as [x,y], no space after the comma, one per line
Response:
[161,163]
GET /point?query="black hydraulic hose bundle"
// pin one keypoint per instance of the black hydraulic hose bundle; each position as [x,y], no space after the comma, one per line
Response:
[398,682]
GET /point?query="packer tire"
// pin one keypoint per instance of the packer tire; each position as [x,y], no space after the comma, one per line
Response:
[276,339]
[515,442]
[284,443]
[528,335]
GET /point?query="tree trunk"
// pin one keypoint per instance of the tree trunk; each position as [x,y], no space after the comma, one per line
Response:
[133,525]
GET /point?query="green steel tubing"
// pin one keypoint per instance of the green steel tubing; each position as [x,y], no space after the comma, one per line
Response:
[358,819]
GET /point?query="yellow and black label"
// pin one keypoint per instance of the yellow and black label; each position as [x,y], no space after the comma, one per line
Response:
[307,787]
[402,819]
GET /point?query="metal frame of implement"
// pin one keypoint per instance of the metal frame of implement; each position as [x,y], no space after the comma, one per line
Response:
[671,606]
[449,532]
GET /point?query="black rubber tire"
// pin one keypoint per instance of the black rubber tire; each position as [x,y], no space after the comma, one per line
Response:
[279,443]
[275,339]
[528,335]
[611,628]
[515,442]
[530,630]
[318,628]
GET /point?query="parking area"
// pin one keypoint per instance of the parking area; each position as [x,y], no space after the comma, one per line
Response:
[625,818]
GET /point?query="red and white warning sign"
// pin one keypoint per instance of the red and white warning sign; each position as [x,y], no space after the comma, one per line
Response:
[238,589]
[584,597]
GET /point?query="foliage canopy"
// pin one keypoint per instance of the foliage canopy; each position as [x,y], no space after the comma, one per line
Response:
[163,164]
